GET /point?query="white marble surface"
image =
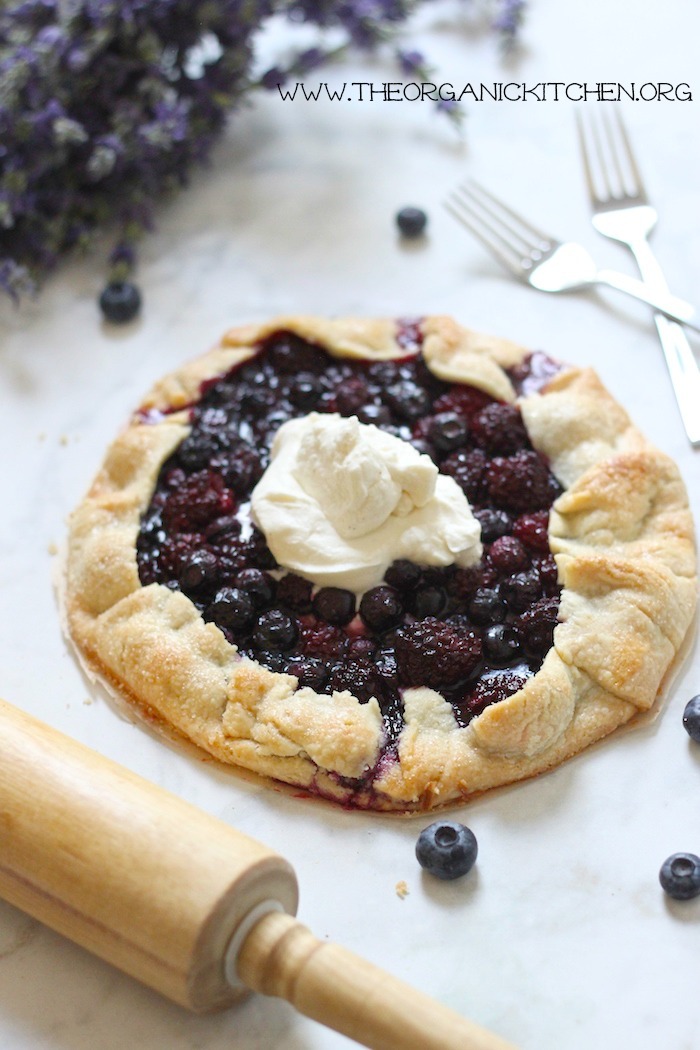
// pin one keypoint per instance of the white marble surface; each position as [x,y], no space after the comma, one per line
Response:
[561,937]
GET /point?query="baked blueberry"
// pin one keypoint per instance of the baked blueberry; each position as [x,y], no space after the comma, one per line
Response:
[403,574]
[428,601]
[231,608]
[381,608]
[494,523]
[258,585]
[305,391]
[447,849]
[447,431]
[487,606]
[275,632]
[680,876]
[334,605]
[198,570]
[501,643]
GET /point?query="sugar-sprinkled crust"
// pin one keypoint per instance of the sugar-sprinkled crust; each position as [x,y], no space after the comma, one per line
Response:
[621,533]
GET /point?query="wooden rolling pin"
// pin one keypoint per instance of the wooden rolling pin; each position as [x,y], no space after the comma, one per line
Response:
[182,901]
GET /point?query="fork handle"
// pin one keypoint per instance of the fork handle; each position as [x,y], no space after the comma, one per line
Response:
[662,301]
[681,363]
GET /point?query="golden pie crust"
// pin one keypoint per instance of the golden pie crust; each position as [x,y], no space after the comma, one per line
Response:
[621,533]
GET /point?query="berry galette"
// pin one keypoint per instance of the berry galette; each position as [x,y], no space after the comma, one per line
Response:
[394,563]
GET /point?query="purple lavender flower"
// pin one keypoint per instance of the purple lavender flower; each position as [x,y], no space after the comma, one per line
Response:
[107,105]
[508,19]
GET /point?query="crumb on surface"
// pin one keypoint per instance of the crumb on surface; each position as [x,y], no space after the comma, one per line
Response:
[401,889]
[52,548]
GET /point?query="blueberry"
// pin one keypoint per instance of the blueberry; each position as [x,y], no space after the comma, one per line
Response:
[411,221]
[403,574]
[521,590]
[381,608]
[258,585]
[231,608]
[120,302]
[378,415]
[295,592]
[501,643]
[198,570]
[305,391]
[351,395]
[334,605]
[691,718]
[446,849]
[680,876]
[448,431]
[486,606]
[310,671]
[428,601]
[408,400]
[494,523]
[276,632]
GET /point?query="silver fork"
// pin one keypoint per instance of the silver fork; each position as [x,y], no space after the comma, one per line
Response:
[542,261]
[622,212]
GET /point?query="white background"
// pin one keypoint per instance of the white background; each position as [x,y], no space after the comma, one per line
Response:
[561,938]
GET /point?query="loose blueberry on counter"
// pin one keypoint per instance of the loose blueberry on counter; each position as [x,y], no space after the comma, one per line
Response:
[120,302]
[446,849]
[411,221]
[691,718]
[680,876]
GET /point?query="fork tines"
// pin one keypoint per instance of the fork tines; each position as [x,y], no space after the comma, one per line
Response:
[514,241]
[611,171]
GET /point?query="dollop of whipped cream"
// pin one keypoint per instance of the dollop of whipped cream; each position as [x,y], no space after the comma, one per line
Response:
[341,500]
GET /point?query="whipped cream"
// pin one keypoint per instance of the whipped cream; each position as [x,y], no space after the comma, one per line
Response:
[341,500]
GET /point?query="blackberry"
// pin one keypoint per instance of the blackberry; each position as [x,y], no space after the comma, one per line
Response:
[519,483]
[499,429]
[434,653]
[507,555]
[468,468]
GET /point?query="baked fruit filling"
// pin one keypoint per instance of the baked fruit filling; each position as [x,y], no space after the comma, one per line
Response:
[475,633]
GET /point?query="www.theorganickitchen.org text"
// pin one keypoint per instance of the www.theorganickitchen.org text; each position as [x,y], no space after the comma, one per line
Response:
[507,91]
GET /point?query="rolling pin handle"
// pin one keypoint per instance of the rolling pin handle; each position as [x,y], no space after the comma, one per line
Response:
[240,934]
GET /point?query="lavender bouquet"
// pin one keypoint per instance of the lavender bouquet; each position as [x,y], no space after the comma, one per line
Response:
[107,105]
